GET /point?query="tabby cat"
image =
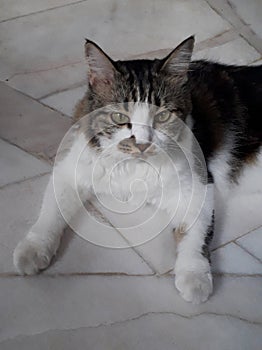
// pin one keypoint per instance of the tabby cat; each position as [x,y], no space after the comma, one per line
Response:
[138,109]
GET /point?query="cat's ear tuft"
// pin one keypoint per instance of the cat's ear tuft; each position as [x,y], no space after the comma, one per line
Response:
[177,62]
[100,66]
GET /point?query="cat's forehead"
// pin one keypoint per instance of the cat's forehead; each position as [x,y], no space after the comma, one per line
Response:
[140,80]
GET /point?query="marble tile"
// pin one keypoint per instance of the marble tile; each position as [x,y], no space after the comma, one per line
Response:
[229,12]
[30,125]
[56,37]
[14,8]
[17,165]
[240,211]
[250,12]
[152,331]
[253,242]
[43,82]
[233,259]
[19,207]
[257,63]
[65,101]
[239,215]
[237,51]
[41,306]
[146,229]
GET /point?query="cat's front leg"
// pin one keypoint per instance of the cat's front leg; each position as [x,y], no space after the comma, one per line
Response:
[35,251]
[193,277]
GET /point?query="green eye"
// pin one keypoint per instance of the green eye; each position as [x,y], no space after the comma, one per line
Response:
[119,118]
[163,116]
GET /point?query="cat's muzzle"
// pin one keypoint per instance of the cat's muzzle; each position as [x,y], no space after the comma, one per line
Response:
[130,146]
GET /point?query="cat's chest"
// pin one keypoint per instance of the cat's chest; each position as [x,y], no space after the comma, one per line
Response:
[137,182]
[126,179]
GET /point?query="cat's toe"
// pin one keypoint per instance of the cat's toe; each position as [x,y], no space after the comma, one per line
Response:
[30,257]
[194,287]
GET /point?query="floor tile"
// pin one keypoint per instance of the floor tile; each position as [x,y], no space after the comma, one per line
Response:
[152,331]
[30,125]
[146,229]
[253,242]
[14,8]
[250,12]
[60,42]
[233,259]
[41,306]
[244,201]
[65,101]
[19,207]
[257,63]
[53,79]
[17,165]
[237,52]
[228,223]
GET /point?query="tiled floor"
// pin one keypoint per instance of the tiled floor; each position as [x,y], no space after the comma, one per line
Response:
[102,298]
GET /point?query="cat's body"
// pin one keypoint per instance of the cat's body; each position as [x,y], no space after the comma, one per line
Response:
[156,104]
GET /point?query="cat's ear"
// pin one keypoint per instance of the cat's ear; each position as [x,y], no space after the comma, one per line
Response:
[101,70]
[177,62]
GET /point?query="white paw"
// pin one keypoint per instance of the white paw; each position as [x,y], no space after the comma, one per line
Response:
[194,287]
[31,256]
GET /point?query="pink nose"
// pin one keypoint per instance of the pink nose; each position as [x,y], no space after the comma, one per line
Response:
[143,146]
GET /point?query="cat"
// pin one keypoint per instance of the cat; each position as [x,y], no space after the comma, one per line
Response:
[158,100]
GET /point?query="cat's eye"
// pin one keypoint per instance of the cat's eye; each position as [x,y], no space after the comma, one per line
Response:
[162,116]
[119,118]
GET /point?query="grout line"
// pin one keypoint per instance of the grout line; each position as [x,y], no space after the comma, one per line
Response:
[247,251]
[63,115]
[58,91]
[24,180]
[242,27]
[42,11]
[258,59]
[149,265]
[76,274]
[37,101]
[235,239]
[55,67]
[116,274]
[39,156]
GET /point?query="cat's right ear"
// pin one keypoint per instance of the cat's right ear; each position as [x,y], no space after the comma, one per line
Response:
[101,70]
[177,62]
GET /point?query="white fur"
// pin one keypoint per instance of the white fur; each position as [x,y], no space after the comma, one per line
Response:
[93,174]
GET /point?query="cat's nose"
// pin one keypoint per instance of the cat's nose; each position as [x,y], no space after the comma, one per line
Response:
[143,146]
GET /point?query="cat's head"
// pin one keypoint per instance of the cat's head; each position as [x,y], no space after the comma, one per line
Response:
[137,105]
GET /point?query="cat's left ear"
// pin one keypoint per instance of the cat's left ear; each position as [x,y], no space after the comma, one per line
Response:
[101,70]
[177,62]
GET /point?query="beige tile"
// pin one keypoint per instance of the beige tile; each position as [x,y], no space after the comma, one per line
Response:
[152,331]
[125,28]
[146,228]
[253,242]
[233,259]
[241,211]
[17,165]
[237,51]
[14,8]
[40,304]
[19,207]
[29,124]
[65,101]
[250,12]
[43,82]
[257,63]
